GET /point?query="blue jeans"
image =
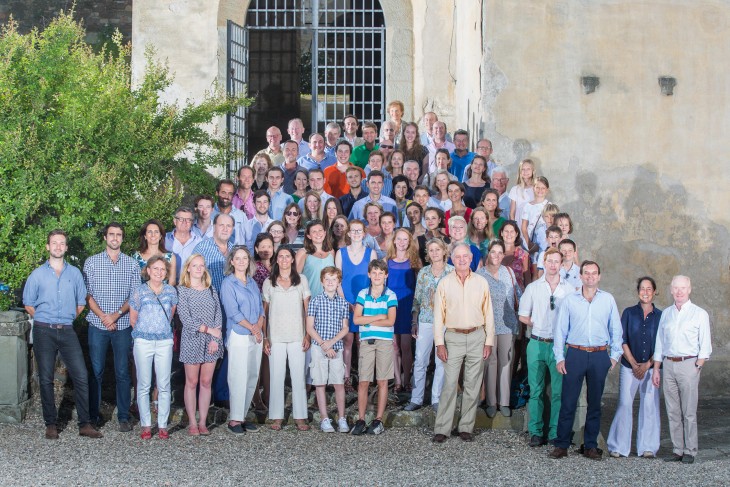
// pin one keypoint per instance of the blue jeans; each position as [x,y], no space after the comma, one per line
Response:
[48,342]
[121,341]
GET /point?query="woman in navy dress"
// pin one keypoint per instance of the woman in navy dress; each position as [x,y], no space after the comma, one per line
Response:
[403,266]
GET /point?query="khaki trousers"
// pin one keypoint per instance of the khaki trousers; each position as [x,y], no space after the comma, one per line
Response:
[681,382]
[466,349]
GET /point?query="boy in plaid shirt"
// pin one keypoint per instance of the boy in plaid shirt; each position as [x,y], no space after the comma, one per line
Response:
[327,317]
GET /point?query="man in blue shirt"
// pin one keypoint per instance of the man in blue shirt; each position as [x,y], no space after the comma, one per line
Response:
[224,191]
[54,296]
[588,324]
[461,157]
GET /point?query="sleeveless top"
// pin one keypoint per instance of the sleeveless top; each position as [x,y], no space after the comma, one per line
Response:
[357,275]
[312,269]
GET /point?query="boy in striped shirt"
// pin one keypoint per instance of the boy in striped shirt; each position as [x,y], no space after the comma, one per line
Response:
[375,314]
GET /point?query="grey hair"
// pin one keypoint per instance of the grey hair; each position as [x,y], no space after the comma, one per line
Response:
[458,245]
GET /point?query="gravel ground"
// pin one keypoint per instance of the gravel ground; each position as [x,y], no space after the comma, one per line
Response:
[401,456]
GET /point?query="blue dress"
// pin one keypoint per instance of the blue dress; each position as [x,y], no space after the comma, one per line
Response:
[354,279]
[402,281]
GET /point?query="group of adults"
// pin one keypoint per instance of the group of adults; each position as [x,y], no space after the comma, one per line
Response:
[490,277]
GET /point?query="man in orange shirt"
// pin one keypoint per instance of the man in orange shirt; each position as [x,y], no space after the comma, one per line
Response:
[335,176]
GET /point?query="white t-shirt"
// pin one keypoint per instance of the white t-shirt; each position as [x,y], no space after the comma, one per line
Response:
[521,196]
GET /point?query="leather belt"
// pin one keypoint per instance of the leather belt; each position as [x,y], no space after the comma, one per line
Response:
[589,349]
[464,331]
[55,326]
[541,339]
[680,359]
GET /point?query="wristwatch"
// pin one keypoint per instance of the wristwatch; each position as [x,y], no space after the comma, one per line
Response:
[119,312]
[698,367]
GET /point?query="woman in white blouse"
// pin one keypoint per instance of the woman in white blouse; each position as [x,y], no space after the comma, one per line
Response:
[286,297]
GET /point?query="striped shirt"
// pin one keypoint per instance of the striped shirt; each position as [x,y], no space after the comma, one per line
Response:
[376,306]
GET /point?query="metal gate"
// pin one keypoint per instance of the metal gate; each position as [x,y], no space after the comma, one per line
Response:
[237,69]
[348,57]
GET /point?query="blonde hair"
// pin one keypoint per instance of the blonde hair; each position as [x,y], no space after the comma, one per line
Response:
[412,250]
[185,277]
[520,182]
[441,244]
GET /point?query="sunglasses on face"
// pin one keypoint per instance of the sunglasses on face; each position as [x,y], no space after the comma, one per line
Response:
[552,302]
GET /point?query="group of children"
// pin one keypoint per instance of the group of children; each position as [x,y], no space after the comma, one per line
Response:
[327,325]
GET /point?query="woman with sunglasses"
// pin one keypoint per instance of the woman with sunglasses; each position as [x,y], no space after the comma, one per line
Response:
[293,226]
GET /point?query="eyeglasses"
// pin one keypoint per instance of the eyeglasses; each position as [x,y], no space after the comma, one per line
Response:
[356,232]
[184,220]
[386,146]
[552,302]
[292,213]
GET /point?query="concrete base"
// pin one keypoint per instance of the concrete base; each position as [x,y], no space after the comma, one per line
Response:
[15,413]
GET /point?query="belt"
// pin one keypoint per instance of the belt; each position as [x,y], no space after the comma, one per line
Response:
[589,349]
[464,331]
[541,339]
[680,359]
[55,326]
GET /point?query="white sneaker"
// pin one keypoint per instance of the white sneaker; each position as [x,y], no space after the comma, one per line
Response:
[342,425]
[326,425]
[615,454]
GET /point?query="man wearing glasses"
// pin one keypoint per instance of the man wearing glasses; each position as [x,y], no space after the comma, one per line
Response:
[499,182]
[181,240]
[538,308]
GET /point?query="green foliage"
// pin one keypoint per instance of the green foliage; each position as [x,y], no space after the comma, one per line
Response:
[79,146]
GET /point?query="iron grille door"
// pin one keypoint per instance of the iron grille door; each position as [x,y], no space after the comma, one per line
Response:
[237,57]
[348,70]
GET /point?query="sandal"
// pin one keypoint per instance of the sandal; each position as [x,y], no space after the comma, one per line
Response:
[203,430]
[193,430]
[397,388]
[302,426]
[276,426]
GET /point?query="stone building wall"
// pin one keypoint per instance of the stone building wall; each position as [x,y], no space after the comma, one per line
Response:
[100,17]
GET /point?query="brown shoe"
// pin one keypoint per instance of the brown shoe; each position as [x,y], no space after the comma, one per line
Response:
[439,438]
[593,454]
[558,452]
[467,437]
[89,431]
[51,432]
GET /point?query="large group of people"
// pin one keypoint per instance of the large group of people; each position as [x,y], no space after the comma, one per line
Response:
[380,248]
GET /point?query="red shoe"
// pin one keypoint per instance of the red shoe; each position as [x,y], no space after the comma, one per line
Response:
[163,434]
[146,434]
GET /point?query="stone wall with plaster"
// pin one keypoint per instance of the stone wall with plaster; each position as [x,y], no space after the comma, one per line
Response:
[642,174]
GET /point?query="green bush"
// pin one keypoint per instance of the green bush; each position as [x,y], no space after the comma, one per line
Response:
[79,146]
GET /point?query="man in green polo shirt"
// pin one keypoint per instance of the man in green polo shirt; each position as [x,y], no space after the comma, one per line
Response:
[361,153]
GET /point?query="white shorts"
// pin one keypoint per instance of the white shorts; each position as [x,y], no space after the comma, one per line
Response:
[325,370]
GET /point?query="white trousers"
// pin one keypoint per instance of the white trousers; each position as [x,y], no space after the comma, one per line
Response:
[277,367]
[244,360]
[647,433]
[147,352]
[424,345]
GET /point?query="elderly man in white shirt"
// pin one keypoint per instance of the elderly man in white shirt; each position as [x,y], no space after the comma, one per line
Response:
[683,345]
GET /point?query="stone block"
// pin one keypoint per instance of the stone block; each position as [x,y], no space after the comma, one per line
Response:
[14,382]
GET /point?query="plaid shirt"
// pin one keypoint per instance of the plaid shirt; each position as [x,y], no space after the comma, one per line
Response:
[110,285]
[214,260]
[328,315]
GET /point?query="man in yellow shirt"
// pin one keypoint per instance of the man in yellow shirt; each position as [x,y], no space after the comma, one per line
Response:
[463,329]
